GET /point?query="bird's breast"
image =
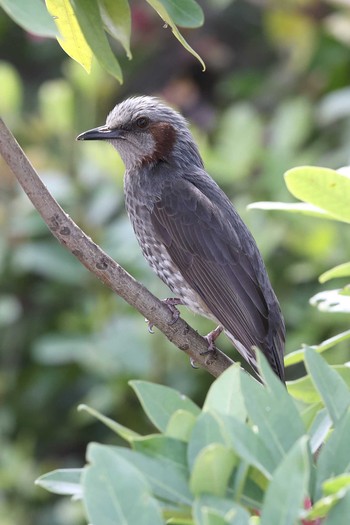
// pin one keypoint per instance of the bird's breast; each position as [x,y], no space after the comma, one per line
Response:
[156,254]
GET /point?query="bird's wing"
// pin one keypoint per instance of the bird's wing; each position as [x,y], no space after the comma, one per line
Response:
[218,265]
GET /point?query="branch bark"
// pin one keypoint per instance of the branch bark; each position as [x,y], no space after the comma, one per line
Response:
[100,264]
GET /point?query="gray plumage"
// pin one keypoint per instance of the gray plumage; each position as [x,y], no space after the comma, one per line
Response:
[188,229]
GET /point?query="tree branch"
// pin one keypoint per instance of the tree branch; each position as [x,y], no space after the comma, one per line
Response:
[101,265]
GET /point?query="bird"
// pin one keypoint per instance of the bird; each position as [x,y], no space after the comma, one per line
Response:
[189,231]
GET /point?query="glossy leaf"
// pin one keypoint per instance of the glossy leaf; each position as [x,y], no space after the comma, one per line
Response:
[32,16]
[302,208]
[62,481]
[322,187]
[225,394]
[161,402]
[90,21]
[162,9]
[115,491]
[342,270]
[122,431]
[212,470]
[333,390]
[116,17]
[71,38]
[288,488]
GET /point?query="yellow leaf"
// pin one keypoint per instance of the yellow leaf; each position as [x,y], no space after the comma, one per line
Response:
[72,41]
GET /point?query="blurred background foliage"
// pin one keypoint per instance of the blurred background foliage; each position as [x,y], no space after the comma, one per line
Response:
[275,95]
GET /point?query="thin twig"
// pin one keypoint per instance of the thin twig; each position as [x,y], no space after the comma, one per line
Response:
[100,264]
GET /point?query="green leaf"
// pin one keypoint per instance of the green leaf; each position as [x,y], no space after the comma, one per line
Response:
[123,432]
[163,447]
[115,491]
[332,300]
[231,512]
[184,13]
[212,470]
[180,425]
[161,6]
[342,270]
[167,478]
[161,402]
[305,390]
[335,489]
[322,187]
[31,16]
[249,446]
[225,394]
[299,355]
[339,514]
[273,410]
[334,458]
[288,488]
[90,21]
[208,429]
[302,208]
[333,390]
[116,17]
[62,481]
[319,429]
[334,485]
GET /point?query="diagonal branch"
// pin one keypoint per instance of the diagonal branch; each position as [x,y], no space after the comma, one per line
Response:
[100,264]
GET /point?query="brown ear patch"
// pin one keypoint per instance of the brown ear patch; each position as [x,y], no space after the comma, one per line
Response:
[164,137]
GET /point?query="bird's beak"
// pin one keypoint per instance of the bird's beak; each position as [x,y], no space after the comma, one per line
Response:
[101,133]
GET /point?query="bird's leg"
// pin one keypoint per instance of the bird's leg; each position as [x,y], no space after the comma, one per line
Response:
[211,337]
[171,303]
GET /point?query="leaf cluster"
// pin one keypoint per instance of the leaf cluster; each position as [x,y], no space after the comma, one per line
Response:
[81,26]
[247,457]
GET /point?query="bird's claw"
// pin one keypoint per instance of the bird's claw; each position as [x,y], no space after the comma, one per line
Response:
[193,363]
[171,303]
[211,338]
[150,326]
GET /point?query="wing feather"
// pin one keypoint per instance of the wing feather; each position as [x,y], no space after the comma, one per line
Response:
[219,265]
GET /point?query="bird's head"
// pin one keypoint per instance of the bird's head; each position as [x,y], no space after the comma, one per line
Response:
[144,132]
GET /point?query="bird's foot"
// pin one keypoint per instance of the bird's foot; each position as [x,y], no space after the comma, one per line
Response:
[171,303]
[211,338]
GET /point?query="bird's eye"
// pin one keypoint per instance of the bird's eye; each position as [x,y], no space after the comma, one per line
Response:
[142,122]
